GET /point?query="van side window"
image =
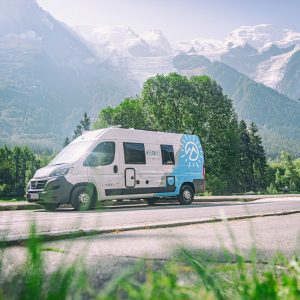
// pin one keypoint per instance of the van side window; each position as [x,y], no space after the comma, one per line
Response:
[167,154]
[134,153]
[103,154]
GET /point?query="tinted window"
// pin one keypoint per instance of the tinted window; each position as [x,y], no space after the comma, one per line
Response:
[167,154]
[134,153]
[103,154]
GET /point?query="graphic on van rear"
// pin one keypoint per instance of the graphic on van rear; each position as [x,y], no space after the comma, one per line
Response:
[191,151]
[189,164]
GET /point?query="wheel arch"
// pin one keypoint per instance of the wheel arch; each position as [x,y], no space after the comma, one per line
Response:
[189,184]
[88,184]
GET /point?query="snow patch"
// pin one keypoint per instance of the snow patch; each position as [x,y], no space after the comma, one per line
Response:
[123,41]
[46,21]
[271,71]
[29,35]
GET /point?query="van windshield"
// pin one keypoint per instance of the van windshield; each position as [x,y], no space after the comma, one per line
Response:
[71,153]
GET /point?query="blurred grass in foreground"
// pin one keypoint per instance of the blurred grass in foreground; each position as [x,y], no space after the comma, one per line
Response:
[188,276]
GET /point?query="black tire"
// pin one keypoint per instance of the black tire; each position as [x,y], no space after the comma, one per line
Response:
[83,198]
[51,206]
[186,195]
[151,201]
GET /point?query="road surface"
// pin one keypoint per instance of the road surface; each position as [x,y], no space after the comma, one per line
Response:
[108,255]
[15,225]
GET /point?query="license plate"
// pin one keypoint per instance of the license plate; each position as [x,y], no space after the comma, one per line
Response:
[34,196]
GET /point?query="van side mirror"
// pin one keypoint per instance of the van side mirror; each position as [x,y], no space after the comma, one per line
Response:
[115,169]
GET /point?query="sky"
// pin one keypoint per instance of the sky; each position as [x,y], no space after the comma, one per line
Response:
[178,19]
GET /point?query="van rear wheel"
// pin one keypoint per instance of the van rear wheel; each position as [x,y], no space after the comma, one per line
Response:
[83,198]
[186,195]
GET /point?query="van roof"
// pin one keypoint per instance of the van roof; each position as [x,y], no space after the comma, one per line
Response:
[113,132]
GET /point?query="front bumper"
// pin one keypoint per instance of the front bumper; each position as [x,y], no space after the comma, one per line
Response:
[49,190]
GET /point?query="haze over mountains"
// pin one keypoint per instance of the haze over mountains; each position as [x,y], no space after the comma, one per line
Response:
[50,74]
[49,77]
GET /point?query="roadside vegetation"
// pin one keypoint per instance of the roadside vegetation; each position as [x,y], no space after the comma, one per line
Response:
[187,276]
[235,159]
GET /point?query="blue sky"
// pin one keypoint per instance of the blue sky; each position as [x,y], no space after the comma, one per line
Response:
[178,19]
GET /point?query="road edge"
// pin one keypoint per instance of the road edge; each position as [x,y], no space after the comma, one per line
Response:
[85,233]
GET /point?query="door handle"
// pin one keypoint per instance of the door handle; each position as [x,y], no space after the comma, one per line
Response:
[115,169]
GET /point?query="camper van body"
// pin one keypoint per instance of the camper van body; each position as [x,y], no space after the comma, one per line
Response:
[117,163]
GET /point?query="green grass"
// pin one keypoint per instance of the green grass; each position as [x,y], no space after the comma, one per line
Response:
[11,198]
[189,275]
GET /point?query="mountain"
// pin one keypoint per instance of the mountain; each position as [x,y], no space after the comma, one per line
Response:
[275,114]
[265,53]
[49,77]
[123,41]
[290,82]
[138,55]
[51,74]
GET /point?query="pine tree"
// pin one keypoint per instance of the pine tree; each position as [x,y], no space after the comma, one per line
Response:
[245,159]
[66,142]
[258,158]
[84,125]
[85,122]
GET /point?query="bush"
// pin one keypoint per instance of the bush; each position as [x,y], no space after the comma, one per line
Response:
[271,189]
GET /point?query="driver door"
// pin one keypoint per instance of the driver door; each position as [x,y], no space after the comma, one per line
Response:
[103,167]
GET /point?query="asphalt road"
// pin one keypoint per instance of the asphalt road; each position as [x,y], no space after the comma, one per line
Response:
[15,224]
[108,255]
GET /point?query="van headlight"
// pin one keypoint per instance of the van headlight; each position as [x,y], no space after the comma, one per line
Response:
[60,172]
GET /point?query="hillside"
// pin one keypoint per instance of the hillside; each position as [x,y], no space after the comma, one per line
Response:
[275,114]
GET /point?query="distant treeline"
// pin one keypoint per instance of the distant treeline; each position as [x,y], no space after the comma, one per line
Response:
[17,166]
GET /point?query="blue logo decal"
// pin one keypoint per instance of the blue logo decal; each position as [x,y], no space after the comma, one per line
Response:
[191,153]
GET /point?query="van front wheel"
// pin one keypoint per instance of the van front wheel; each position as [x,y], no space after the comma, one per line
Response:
[186,195]
[82,198]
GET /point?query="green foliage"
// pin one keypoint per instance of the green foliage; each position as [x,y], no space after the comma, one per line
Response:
[17,167]
[128,114]
[271,189]
[34,282]
[192,276]
[196,105]
[284,173]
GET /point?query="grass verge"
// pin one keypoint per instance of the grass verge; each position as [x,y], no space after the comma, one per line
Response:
[188,276]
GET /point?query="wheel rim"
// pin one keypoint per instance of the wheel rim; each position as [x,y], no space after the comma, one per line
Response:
[84,198]
[187,194]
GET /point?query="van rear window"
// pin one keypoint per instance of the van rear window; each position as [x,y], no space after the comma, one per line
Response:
[134,153]
[167,154]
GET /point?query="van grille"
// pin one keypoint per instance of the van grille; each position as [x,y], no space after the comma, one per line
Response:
[37,184]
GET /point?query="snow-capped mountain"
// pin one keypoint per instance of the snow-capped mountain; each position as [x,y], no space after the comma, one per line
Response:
[260,37]
[123,41]
[139,55]
[261,52]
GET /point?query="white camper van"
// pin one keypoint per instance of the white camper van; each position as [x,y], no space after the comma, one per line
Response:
[116,163]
